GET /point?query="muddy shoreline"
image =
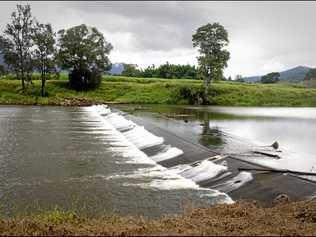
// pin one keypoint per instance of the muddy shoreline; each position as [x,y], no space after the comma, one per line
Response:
[241,218]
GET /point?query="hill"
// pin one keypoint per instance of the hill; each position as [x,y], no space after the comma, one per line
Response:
[295,74]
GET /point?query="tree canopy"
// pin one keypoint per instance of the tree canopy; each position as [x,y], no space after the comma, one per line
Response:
[211,40]
[83,47]
[84,51]
[43,54]
[16,42]
[310,75]
[165,70]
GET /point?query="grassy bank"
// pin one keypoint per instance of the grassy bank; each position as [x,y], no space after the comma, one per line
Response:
[241,218]
[157,91]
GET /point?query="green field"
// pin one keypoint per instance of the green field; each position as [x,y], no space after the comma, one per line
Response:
[115,89]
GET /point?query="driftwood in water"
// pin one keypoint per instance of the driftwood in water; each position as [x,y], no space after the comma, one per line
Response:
[277,171]
[267,154]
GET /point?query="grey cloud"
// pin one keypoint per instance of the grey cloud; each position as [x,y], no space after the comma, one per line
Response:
[280,33]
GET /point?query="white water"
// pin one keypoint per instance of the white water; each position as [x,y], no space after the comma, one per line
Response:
[169,153]
[128,144]
[204,171]
[235,183]
[122,146]
[119,122]
[142,138]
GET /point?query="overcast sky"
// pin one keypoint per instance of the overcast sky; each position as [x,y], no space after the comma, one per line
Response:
[264,36]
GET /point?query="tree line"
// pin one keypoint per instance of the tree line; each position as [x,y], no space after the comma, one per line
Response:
[166,70]
[29,45]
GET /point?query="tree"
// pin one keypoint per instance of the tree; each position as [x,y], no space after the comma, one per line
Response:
[310,75]
[130,70]
[84,50]
[16,43]
[239,78]
[2,70]
[272,77]
[310,78]
[44,52]
[211,39]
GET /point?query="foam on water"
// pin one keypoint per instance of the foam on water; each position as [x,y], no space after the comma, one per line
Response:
[234,183]
[204,171]
[122,147]
[158,177]
[119,122]
[142,138]
[169,153]
[102,109]
[128,144]
[180,168]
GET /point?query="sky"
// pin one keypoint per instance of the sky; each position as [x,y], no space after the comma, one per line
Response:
[264,36]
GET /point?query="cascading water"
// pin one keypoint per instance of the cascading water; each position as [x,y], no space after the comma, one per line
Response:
[130,140]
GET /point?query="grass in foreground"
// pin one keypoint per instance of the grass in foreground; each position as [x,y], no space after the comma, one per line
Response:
[115,89]
[241,218]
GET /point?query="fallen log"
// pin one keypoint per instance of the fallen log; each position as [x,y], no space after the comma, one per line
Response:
[267,154]
[277,171]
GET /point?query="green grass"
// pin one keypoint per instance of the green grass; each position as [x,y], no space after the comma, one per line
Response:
[117,89]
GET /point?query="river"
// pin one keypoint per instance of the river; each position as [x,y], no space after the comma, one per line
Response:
[74,159]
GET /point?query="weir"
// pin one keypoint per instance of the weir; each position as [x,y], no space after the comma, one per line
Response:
[179,157]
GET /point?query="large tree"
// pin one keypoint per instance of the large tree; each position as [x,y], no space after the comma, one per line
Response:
[130,70]
[84,51]
[211,40]
[44,51]
[16,43]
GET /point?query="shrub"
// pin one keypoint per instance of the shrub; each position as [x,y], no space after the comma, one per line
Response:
[191,95]
[84,79]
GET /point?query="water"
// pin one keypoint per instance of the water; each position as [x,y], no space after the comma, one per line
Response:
[82,160]
[240,130]
[92,161]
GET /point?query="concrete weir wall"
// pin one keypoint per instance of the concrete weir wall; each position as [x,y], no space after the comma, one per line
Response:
[201,166]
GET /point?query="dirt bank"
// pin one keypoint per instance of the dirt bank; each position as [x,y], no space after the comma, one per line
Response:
[241,218]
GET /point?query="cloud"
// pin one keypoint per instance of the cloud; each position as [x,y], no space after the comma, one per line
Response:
[264,36]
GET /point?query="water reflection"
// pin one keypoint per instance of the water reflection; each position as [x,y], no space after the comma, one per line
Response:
[210,136]
[238,130]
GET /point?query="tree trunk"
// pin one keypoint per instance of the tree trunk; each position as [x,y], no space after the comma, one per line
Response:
[43,84]
[22,69]
[206,125]
[206,87]
[22,79]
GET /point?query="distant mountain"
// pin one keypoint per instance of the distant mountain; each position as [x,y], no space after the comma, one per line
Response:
[295,74]
[117,69]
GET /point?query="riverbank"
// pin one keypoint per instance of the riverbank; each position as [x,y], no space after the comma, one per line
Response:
[157,91]
[241,218]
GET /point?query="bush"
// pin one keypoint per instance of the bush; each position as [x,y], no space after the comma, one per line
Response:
[84,79]
[2,70]
[191,95]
